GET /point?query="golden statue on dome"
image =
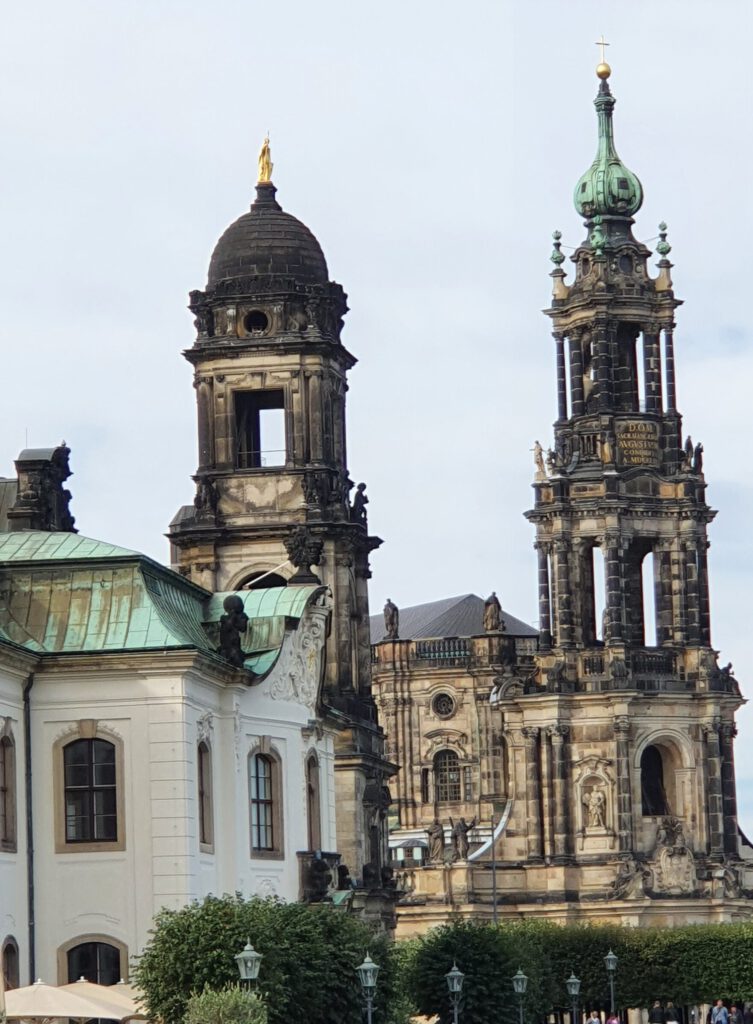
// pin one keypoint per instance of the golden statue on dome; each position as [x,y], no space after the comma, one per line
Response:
[265,163]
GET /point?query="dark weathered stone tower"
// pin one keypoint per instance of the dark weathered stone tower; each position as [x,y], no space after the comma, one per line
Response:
[272,487]
[626,662]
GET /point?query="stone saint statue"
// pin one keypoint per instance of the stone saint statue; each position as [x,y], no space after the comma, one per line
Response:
[435,832]
[358,508]
[232,627]
[460,830]
[551,462]
[596,803]
[698,458]
[492,614]
[391,620]
[538,459]
[265,163]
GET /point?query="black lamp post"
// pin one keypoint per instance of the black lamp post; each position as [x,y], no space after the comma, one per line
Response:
[455,979]
[520,984]
[249,962]
[610,961]
[367,975]
[573,989]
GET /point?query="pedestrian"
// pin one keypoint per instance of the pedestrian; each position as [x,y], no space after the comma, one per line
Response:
[748,1013]
[719,1014]
[735,1017]
[613,1018]
[594,1017]
[656,1014]
[670,1014]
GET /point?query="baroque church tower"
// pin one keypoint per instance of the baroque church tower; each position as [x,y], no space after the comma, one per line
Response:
[644,713]
[272,503]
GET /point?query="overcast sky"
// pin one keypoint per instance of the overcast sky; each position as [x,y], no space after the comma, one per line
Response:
[432,147]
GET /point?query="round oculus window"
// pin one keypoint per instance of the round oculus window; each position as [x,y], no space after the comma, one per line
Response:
[256,322]
[443,705]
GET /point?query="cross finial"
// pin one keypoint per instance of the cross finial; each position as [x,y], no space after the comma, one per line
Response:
[602,43]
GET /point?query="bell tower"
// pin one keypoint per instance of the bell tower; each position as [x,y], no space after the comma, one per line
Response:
[641,711]
[272,504]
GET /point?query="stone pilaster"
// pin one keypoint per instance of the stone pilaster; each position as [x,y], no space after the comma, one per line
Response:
[558,734]
[533,787]
[624,788]
[576,375]
[564,607]
[729,793]
[545,605]
[663,593]
[704,602]
[613,588]
[561,381]
[692,599]
[652,369]
[669,363]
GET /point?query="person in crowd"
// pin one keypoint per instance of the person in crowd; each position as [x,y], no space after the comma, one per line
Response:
[656,1013]
[613,1019]
[735,1016]
[671,1015]
[719,1014]
[748,1013]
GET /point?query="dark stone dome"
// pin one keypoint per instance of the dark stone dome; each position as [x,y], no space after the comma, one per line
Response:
[266,240]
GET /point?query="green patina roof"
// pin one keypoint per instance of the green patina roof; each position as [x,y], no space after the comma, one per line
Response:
[63,593]
[607,187]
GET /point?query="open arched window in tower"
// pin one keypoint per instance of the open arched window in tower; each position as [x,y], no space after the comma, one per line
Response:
[447,787]
[649,602]
[653,794]
[262,580]
[260,439]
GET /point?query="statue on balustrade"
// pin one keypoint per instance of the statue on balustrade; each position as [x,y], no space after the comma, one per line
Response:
[391,620]
[435,832]
[460,844]
[493,614]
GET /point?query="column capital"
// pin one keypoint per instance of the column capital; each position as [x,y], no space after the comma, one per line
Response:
[729,731]
[621,725]
[530,734]
[711,730]
[558,733]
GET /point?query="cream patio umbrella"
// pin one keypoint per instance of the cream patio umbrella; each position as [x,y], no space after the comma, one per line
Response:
[48,1002]
[122,995]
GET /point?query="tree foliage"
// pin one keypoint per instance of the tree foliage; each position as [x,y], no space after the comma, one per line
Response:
[307,975]
[230,1005]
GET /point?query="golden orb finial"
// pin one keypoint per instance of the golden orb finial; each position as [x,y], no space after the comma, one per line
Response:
[265,163]
[603,70]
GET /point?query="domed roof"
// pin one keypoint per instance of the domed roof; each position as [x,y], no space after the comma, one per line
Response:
[607,187]
[266,240]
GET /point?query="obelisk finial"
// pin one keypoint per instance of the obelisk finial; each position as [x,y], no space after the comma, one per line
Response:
[265,163]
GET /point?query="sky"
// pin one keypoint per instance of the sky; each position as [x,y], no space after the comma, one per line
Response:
[433,148]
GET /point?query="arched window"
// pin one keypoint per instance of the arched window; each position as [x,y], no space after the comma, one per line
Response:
[90,792]
[98,962]
[10,964]
[7,793]
[262,580]
[447,788]
[653,793]
[313,803]
[204,771]
[265,795]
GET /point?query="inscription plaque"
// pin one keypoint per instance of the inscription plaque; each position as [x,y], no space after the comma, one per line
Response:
[638,443]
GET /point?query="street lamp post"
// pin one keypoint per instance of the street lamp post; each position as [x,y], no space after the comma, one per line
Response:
[367,975]
[249,962]
[520,984]
[455,979]
[573,988]
[610,961]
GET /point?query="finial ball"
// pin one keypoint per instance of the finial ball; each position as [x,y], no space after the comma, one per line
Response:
[603,70]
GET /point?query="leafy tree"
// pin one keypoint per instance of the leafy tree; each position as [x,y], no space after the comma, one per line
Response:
[307,975]
[230,1005]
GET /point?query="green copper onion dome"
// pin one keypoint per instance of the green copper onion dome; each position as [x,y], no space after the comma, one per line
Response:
[608,187]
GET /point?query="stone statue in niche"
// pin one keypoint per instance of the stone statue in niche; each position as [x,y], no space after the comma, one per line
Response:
[493,614]
[698,458]
[358,508]
[460,844]
[233,625]
[596,806]
[435,832]
[391,620]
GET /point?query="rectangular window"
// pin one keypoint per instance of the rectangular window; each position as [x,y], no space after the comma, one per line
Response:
[206,837]
[90,793]
[262,804]
[260,429]
[7,795]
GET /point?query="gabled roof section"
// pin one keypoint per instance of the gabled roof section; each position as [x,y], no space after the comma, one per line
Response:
[43,546]
[450,617]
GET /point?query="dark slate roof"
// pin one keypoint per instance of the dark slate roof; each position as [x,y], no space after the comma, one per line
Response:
[453,616]
[8,492]
[266,240]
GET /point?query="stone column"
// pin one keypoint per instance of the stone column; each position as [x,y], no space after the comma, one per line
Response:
[714,803]
[601,354]
[545,607]
[704,610]
[533,788]
[547,798]
[315,417]
[692,599]
[624,788]
[669,364]
[679,603]
[663,593]
[652,369]
[613,588]
[576,375]
[564,604]
[561,381]
[558,734]
[729,794]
